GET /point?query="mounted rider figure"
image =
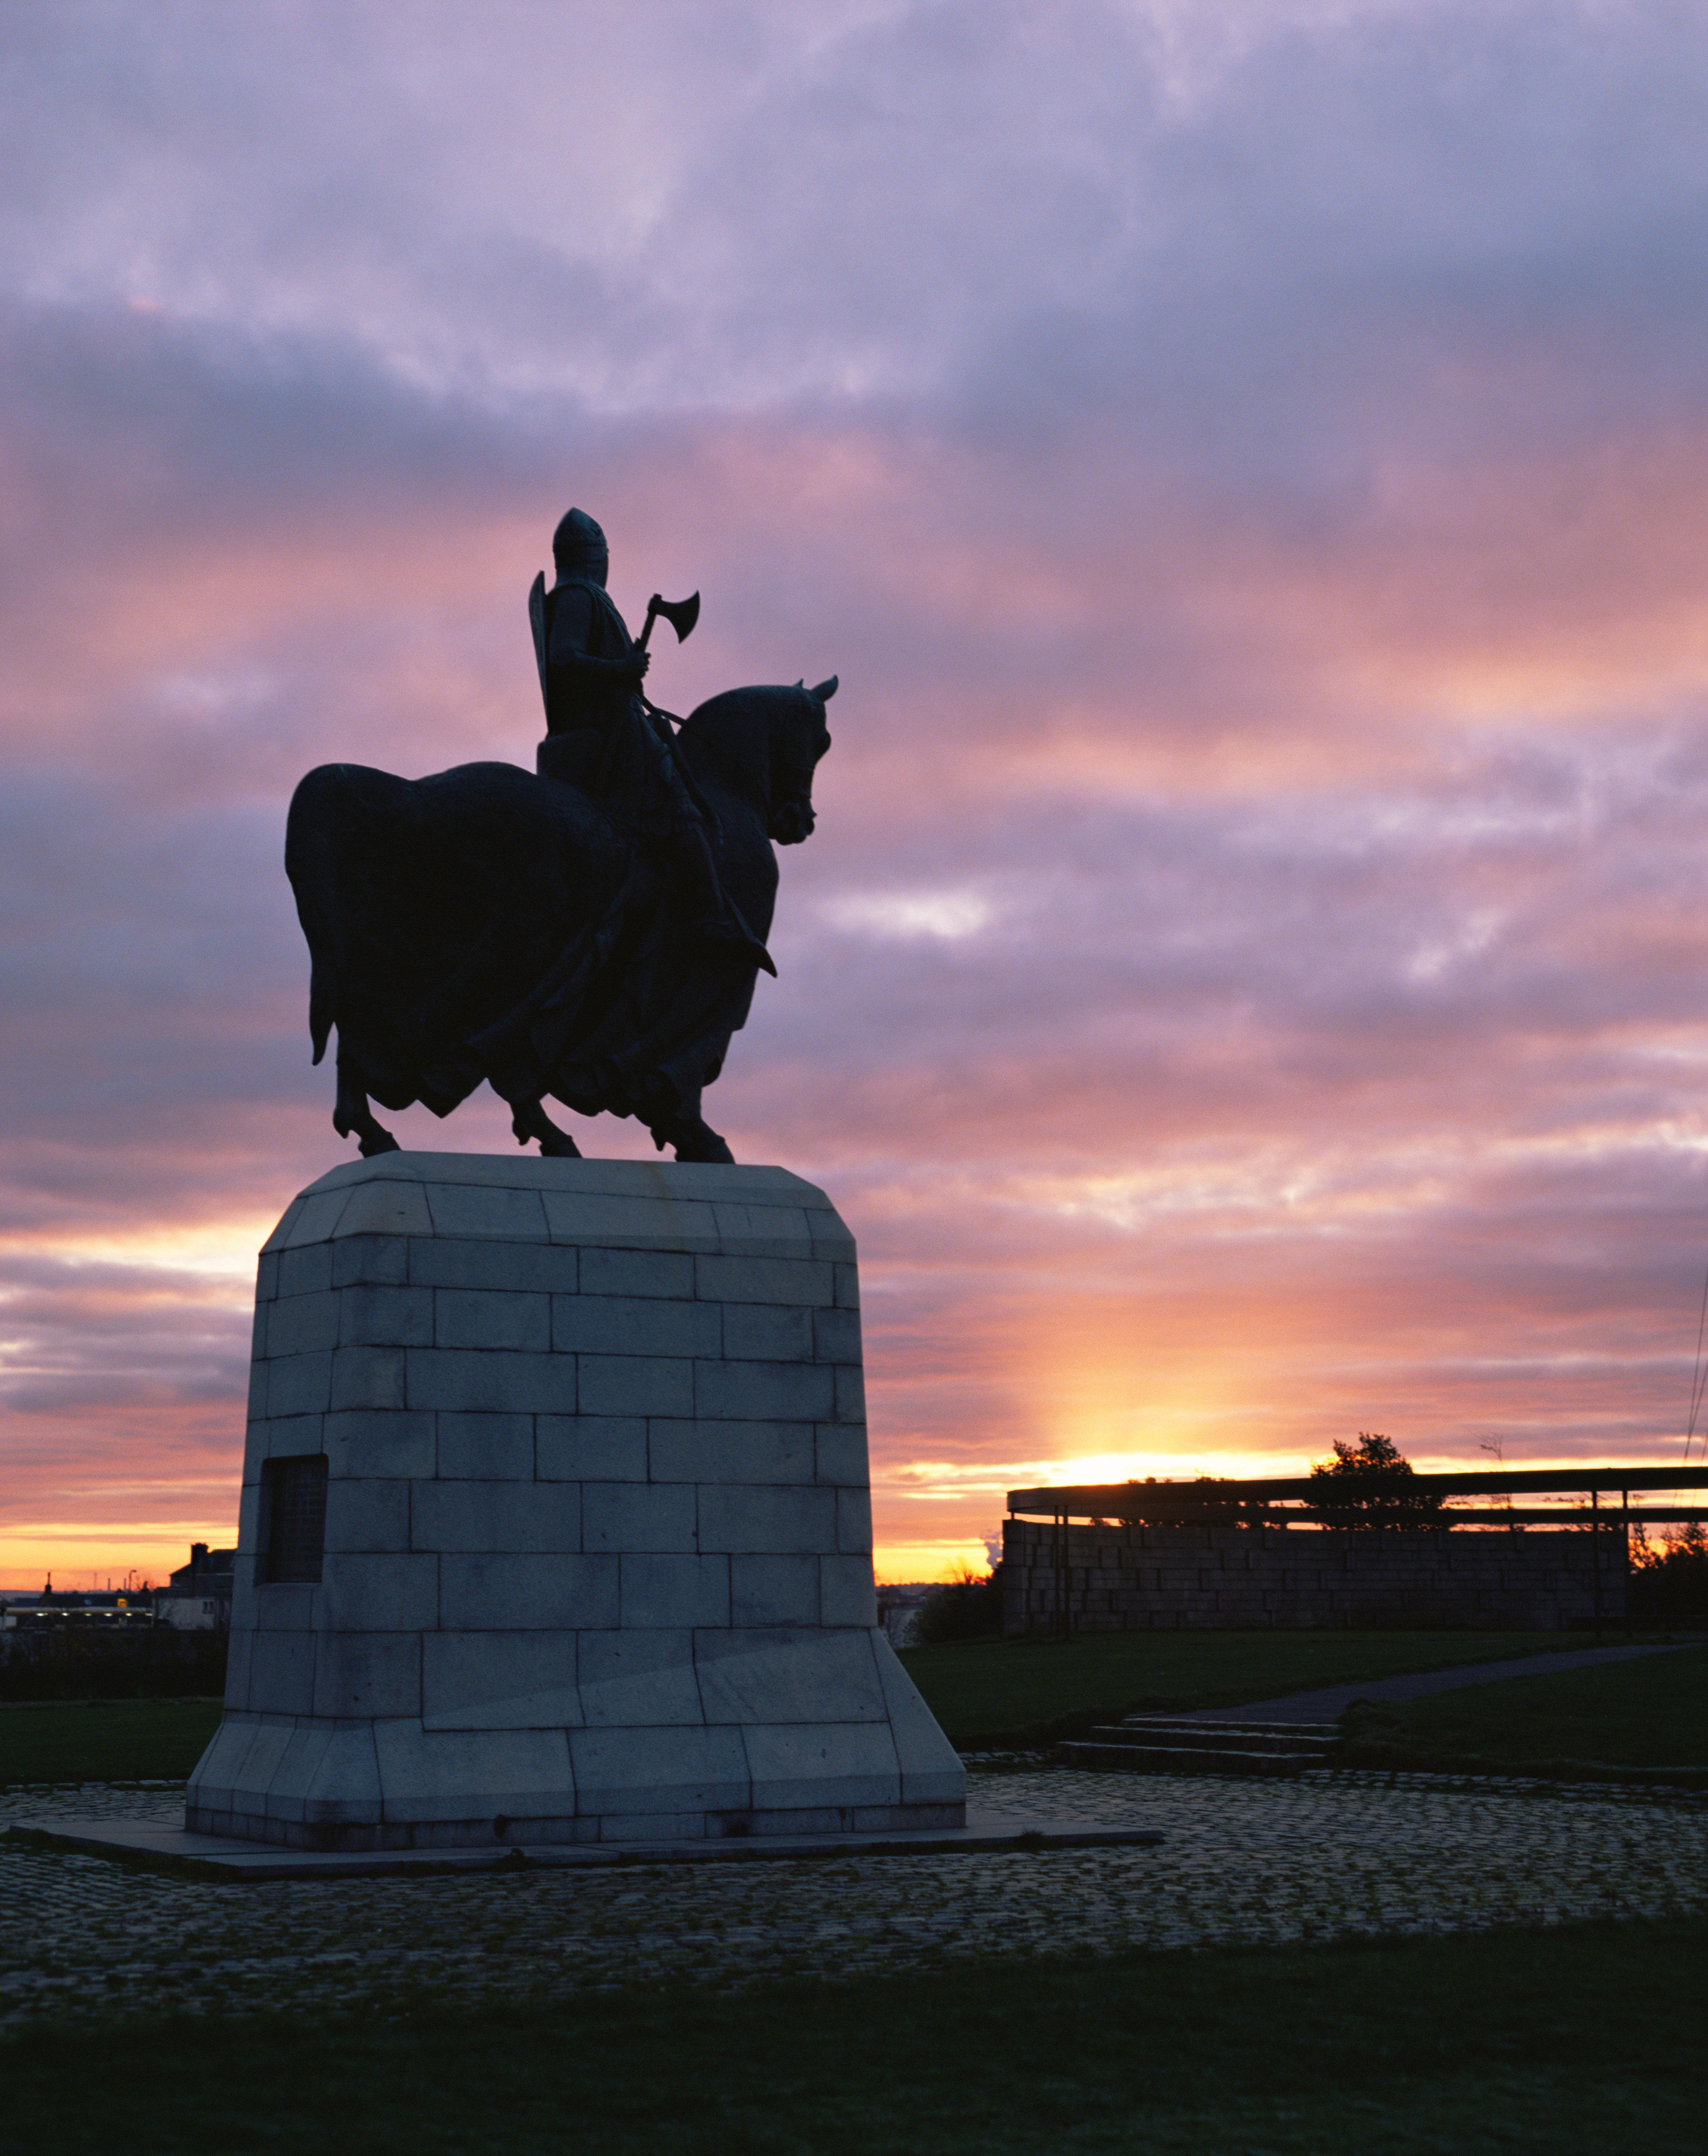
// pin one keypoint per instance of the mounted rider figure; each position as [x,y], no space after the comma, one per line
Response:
[602,735]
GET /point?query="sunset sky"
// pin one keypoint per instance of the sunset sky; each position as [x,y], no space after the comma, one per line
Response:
[1248,465]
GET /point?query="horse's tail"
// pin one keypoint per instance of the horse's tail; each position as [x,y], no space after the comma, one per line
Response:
[305,848]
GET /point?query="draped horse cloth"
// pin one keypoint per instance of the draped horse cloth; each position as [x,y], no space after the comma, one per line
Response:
[490,924]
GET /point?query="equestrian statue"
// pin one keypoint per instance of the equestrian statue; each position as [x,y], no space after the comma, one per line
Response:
[589,932]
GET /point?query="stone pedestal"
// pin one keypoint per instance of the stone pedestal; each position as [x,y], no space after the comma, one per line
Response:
[555,1520]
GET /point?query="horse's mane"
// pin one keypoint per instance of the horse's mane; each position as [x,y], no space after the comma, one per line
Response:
[737,726]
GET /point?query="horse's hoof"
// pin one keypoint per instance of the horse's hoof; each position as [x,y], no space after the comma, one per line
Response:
[381,1141]
[704,1145]
[560,1146]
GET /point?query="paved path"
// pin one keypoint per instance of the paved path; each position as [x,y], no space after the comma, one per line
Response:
[1330,1703]
[1332,1856]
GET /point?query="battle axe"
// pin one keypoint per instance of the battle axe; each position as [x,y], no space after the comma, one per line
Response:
[680,614]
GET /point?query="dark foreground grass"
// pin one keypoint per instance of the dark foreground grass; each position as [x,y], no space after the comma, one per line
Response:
[1584,2039]
[1003,1691]
[130,1740]
[1647,1715]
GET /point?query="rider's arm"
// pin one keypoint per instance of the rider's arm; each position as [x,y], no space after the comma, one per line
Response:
[572,630]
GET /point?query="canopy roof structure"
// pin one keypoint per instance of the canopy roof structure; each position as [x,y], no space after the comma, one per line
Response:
[1298,1496]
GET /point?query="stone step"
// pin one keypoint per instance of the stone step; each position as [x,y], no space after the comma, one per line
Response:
[1221,1722]
[1208,1737]
[1178,1759]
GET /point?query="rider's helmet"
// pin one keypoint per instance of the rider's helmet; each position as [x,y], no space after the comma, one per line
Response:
[579,550]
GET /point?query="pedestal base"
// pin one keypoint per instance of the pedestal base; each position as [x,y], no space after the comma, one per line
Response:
[556,1525]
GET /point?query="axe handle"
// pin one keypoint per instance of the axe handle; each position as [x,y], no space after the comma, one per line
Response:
[652,615]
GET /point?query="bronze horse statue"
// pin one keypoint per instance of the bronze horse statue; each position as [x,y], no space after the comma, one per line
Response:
[491,924]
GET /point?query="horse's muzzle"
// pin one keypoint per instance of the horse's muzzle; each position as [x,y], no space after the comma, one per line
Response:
[793,822]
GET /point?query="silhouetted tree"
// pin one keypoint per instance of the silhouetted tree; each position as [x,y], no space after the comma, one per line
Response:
[1370,1485]
[969,1608]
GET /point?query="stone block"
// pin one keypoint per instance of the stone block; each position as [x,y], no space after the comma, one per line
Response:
[368,1377]
[637,1515]
[760,1521]
[634,1385]
[284,1606]
[665,1591]
[526,1268]
[669,1273]
[850,1395]
[376,1442]
[282,1233]
[499,1318]
[365,1515]
[377,1593]
[846,1593]
[386,1316]
[445,1774]
[486,1214]
[503,1593]
[836,1337]
[498,1517]
[763,1231]
[811,1282]
[765,1333]
[634,1325]
[370,1262]
[468,1380]
[853,1520]
[240,1647]
[634,1224]
[499,1681]
[848,1288]
[385,1209]
[840,1452]
[282,1673]
[299,1384]
[628,1771]
[730,1451]
[776,1675]
[931,1771]
[475,1448]
[794,1764]
[753,1391]
[336,1783]
[774,1590]
[638,1680]
[301,1324]
[367,1674]
[305,1271]
[590,1449]
[266,1277]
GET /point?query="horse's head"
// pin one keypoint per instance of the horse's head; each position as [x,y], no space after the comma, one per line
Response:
[773,739]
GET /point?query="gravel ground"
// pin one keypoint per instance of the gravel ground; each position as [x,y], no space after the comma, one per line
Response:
[1326,1856]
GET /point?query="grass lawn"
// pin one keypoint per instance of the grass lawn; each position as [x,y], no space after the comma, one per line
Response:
[120,1740]
[996,1691]
[1586,2038]
[1650,1714]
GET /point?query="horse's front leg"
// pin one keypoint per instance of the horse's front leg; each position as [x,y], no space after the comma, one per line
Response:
[351,1113]
[693,1138]
[529,1120]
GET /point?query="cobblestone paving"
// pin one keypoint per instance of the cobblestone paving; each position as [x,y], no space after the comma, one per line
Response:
[1326,1856]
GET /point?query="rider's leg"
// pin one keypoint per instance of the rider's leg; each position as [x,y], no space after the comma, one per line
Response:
[708,913]
[529,1120]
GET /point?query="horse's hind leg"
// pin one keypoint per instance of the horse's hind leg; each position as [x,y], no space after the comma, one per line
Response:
[529,1120]
[351,1113]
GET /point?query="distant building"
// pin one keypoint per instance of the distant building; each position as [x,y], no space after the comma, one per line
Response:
[197,1598]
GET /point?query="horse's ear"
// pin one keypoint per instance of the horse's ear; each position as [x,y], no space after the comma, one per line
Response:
[826,689]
